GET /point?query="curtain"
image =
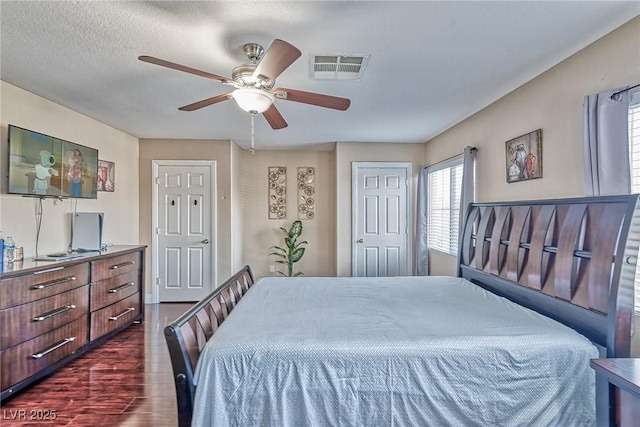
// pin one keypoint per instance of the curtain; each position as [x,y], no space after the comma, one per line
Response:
[468,190]
[606,143]
[422,229]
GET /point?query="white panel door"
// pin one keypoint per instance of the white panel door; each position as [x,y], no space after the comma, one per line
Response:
[185,232]
[381,220]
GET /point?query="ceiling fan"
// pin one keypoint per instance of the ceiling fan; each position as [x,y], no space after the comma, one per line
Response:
[254,83]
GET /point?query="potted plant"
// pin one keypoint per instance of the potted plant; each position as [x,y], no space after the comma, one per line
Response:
[293,250]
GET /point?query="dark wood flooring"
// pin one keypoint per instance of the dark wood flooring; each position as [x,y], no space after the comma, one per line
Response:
[127,381]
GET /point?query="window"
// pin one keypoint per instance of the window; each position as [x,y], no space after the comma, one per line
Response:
[634,141]
[634,154]
[443,206]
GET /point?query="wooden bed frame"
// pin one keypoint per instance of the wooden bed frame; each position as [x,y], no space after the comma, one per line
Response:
[187,335]
[570,259]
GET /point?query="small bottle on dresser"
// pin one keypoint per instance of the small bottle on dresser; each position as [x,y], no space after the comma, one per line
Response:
[9,247]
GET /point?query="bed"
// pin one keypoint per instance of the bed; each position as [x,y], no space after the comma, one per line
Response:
[543,287]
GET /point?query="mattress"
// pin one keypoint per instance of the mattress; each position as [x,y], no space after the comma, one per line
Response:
[410,351]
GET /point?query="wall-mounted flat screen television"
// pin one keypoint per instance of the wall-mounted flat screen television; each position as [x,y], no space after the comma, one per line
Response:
[44,166]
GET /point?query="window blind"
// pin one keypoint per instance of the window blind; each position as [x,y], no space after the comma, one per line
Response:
[443,214]
[634,154]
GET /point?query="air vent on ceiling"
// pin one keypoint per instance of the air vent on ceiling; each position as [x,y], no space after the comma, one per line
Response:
[338,67]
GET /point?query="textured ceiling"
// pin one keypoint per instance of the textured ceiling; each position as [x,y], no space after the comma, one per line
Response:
[432,63]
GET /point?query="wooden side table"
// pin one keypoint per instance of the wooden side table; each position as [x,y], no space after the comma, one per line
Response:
[624,374]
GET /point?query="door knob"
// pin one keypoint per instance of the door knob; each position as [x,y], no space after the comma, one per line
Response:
[361,240]
[205,241]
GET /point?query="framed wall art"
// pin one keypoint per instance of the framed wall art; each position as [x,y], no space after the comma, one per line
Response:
[106,176]
[524,157]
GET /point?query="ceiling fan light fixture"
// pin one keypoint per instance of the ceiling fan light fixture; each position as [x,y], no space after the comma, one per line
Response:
[253,100]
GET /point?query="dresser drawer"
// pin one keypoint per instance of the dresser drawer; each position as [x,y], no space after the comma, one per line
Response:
[114,316]
[24,360]
[109,291]
[110,267]
[23,322]
[42,284]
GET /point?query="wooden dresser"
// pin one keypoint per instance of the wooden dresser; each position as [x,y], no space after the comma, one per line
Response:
[52,312]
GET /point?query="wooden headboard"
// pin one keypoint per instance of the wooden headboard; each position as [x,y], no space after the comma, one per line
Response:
[573,260]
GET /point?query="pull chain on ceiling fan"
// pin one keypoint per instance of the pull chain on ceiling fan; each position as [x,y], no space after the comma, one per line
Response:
[253,133]
[254,84]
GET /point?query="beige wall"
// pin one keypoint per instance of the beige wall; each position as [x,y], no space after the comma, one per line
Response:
[237,230]
[260,233]
[17,213]
[551,102]
[174,149]
[347,153]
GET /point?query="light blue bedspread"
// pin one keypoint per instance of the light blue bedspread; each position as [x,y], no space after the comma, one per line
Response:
[410,351]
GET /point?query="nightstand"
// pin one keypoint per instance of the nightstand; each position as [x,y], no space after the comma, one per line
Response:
[624,374]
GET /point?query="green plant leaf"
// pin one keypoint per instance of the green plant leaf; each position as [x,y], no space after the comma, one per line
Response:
[301,243]
[279,255]
[299,273]
[296,229]
[296,255]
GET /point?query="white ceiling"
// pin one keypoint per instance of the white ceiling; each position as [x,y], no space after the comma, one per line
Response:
[432,63]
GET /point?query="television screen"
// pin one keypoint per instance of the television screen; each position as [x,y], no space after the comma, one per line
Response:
[43,166]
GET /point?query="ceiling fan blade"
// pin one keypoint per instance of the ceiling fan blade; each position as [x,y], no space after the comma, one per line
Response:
[180,67]
[206,102]
[311,98]
[277,58]
[274,118]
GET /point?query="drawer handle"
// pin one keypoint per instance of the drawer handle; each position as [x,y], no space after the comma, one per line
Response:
[55,312]
[53,283]
[48,270]
[121,287]
[52,348]
[122,264]
[127,311]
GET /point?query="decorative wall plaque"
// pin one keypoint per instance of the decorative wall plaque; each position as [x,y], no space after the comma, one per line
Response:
[277,192]
[306,192]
